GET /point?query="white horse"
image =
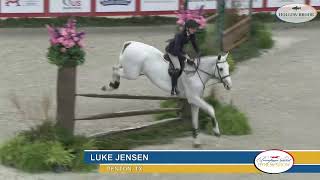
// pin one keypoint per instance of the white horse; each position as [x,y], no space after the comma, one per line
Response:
[137,58]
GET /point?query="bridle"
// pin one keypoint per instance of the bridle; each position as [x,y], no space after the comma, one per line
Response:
[221,78]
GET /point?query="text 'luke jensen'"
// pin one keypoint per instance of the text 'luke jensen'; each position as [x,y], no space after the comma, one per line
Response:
[119,157]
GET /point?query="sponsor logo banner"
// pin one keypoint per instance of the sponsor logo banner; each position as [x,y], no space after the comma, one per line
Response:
[208,4]
[22,6]
[315,2]
[61,6]
[159,5]
[296,13]
[115,5]
[279,3]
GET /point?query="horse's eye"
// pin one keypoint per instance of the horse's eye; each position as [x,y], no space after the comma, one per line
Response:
[220,69]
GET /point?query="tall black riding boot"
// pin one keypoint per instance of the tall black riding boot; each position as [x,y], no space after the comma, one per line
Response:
[174,81]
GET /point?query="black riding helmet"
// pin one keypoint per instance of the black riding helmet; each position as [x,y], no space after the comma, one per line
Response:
[191,24]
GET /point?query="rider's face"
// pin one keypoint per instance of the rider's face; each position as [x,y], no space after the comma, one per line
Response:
[192,30]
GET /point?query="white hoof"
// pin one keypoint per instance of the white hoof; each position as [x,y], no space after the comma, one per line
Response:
[196,143]
[216,131]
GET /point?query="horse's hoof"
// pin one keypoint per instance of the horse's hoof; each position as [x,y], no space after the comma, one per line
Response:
[216,131]
[217,134]
[196,145]
[114,85]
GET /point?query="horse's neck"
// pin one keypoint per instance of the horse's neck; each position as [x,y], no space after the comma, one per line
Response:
[207,64]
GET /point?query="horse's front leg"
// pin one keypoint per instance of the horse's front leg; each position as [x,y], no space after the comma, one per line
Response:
[197,101]
[195,125]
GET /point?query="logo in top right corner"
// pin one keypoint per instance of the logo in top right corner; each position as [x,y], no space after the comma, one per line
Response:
[296,13]
[274,161]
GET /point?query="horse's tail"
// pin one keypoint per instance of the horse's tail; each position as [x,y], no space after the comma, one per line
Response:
[124,47]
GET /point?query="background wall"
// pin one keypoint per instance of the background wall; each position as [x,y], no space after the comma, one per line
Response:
[52,8]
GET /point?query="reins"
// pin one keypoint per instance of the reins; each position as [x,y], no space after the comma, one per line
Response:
[197,69]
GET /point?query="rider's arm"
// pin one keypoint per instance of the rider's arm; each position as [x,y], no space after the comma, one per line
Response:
[177,46]
[194,44]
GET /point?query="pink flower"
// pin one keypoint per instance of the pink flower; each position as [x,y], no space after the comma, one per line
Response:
[63,32]
[180,22]
[66,36]
[61,40]
[72,31]
[54,41]
[197,15]
[71,44]
[81,44]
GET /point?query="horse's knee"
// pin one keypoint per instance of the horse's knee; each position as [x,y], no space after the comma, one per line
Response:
[211,112]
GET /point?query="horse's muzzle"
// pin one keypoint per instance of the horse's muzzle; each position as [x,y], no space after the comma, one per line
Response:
[227,86]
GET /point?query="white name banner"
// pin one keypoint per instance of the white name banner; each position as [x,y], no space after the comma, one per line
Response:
[159,5]
[61,6]
[115,5]
[22,6]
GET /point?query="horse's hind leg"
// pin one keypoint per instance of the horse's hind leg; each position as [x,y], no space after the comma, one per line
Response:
[115,83]
[118,72]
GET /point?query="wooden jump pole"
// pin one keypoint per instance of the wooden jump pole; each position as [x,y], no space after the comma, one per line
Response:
[129,113]
[127,96]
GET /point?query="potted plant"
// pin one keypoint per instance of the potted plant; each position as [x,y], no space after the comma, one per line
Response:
[67,52]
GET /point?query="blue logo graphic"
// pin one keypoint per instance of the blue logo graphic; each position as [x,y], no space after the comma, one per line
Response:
[115,2]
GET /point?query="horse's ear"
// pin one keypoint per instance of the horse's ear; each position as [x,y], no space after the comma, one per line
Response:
[219,57]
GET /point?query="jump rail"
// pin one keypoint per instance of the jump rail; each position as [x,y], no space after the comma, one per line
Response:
[131,129]
[130,113]
[126,96]
[236,34]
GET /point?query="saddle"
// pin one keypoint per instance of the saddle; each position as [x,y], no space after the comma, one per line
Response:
[171,69]
[189,69]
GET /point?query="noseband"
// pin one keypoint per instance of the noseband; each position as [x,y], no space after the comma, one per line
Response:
[221,78]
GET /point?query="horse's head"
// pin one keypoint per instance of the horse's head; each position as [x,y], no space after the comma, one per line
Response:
[222,71]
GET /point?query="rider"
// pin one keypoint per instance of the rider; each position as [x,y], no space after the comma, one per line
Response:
[176,53]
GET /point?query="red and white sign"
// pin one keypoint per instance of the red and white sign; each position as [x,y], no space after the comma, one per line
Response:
[279,3]
[115,5]
[159,5]
[22,6]
[208,4]
[315,2]
[61,6]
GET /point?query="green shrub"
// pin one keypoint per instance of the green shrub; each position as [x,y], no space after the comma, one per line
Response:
[11,150]
[262,35]
[33,157]
[167,104]
[58,155]
[44,148]
[265,17]
[72,57]
[44,132]
[231,62]
[77,147]
[231,120]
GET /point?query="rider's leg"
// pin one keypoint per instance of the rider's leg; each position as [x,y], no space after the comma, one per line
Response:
[176,73]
